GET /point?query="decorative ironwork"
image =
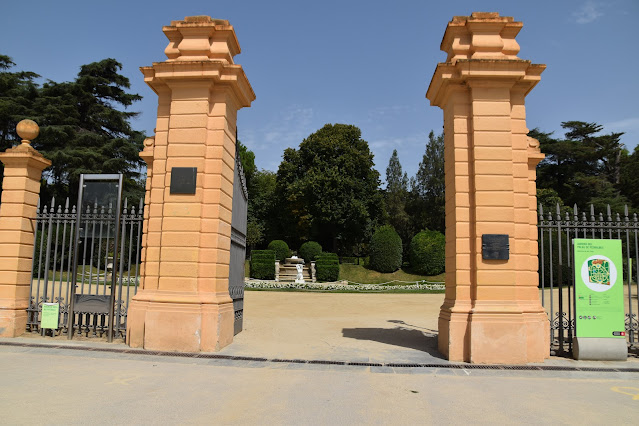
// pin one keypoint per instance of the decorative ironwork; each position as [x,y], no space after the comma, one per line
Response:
[556,269]
[238,243]
[52,268]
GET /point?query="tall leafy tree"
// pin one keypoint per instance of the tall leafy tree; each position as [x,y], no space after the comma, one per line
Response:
[396,199]
[584,167]
[18,91]
[328,190]
[428,188]
[84,125]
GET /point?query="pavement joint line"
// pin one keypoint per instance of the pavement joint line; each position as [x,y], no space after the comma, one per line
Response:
[315,361]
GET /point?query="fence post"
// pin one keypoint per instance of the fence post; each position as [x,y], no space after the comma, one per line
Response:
[23,168]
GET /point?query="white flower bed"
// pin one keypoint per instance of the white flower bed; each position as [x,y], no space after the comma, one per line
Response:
[343,285]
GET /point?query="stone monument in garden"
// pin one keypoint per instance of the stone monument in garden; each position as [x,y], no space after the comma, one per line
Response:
[491,312]
[184,302]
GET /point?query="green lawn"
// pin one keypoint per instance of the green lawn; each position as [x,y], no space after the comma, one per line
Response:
[363,275]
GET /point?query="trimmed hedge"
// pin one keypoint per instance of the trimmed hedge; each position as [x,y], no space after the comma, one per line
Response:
[309,251]
[327,267]
[280,248]
[262,264]
[385,250]
[427,253]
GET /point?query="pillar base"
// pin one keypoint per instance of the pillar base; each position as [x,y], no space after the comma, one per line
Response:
[494,336]
[13,322]
[179,322]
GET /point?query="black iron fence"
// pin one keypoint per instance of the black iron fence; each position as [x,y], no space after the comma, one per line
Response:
[556,266]
[53,265]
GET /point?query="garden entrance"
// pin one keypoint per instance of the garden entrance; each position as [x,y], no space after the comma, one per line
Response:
[85,262]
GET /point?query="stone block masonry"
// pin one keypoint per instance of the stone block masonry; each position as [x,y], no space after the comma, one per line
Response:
[184,302]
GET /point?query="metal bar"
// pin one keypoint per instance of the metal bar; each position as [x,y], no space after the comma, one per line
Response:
[84,247]
[32,316]
[121,264]
[76,243]
[73,242]
[106,260]
[629,275]
[93,218]
[541,258]
[99,256]
[560,283]
[118,211]
[47,257]
[64,240]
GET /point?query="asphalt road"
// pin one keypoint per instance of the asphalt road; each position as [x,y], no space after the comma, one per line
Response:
[62,386]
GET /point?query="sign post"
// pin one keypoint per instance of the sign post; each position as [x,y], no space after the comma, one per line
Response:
[599,310]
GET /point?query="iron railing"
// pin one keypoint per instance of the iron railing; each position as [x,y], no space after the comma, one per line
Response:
[556,266]
[53,264]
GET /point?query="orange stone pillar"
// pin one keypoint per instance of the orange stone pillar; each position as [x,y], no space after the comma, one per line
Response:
[184,303]
[491,312]
[23,168]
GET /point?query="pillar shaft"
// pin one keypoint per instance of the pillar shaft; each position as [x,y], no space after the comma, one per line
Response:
[491,312]
[184,304]
[23,168]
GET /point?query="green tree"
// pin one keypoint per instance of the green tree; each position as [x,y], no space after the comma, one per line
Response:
[396,199]
[85,128]
[18,91]
[84,125]
[584,167]
[247,158]
[428,188]
[262,216]
[629,177]
[327,190]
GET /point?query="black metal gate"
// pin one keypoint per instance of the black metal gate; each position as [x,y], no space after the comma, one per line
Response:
[238,244]
[556,268]
[86,260]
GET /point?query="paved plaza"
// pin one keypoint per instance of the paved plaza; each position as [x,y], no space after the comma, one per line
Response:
[54,381]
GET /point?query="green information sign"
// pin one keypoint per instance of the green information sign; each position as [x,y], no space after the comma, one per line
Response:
[599,289]
[50,314]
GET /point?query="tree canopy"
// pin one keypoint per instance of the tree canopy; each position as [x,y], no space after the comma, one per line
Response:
[327,190]
[585,167]
[84,125]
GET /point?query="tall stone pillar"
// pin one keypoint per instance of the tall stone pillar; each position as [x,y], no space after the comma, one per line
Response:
[23,168]
[491,312]
[184,303]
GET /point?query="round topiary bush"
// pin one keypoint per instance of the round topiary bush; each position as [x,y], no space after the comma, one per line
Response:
[280,248]
[427,253]
[309,251]
[385,250]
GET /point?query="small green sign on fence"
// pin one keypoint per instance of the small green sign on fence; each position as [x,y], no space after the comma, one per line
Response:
[50,315]
[599,289]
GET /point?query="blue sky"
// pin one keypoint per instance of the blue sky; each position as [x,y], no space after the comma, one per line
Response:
[366,63]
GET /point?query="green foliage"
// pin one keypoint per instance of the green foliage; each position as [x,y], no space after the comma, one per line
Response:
[254,233]
[261,212]
[585,167]
[247,158]
[327,190]
[84,125]
[327,267]
[397,198]
[309,251]
[426,202]
[280,248]
[262,264]
[428,253]
[385,250]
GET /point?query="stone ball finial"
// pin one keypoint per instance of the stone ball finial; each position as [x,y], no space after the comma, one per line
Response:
[28,130]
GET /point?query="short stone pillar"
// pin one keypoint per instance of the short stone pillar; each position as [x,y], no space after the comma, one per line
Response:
[491,312]
[184,302]
[23,168]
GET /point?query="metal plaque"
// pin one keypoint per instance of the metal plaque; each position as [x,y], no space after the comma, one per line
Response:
[91,303]
[183,180]
[495,247]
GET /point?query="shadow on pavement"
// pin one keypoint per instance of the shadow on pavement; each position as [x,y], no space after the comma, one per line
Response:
[425,341]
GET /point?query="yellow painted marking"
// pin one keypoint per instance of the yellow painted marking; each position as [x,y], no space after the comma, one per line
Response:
[626,390]
[121,380]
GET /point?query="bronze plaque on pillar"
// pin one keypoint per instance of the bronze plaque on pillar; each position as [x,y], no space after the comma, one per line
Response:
[183,180]
[495,247]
